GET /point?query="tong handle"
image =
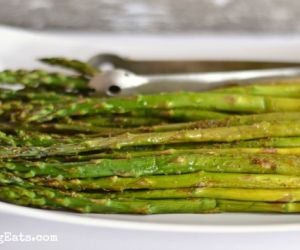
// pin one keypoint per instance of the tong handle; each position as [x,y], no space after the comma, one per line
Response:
[123,82]
[146,67]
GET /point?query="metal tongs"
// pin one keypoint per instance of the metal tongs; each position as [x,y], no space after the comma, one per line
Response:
[121,76]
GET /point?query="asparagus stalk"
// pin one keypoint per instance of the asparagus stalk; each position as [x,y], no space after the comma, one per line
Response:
[161,165]
[54,199]
[133,117]
[22,135]
[172,115]
[28,194]
[6,139]
[96,124]
[76,65]
[206,101]
[270,144]
[31,138]
[242,206]
[30,95]
[40,78]
[266,195]
[281,146]
[233,120]
[85,128]
[88,124]
[181,115]
[198,179]
[7,179]
[287,88]
[24,197]
[173,151]
[120,121]
[222,134]
[284,145]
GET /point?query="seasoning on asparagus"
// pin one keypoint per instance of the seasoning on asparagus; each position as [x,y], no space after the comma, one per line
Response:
[234,149]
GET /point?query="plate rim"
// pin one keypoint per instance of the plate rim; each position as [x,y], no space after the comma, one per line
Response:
[69,218]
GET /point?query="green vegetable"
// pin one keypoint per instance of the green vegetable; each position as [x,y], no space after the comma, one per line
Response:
[232,149]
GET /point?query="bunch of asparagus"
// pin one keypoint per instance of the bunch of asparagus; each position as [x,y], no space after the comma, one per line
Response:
[234,149]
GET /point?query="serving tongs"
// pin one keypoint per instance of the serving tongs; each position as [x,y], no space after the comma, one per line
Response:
[122,76]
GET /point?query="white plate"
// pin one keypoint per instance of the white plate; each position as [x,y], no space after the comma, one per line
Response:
[208,223]
[19,49]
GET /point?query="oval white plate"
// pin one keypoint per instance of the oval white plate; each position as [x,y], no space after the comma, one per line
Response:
[20,48]
[208,223]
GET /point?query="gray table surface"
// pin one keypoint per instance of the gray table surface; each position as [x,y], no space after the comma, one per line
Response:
[155,16]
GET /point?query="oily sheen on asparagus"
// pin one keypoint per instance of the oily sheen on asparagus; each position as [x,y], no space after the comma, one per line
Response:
[230,149]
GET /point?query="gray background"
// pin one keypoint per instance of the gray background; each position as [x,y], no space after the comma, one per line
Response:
[155,16]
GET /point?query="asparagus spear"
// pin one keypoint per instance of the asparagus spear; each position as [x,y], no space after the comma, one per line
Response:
[76,65]
[268,143]
[242,206]
[290,88]
[85,128]
[91,124]
[6,139]
[33,138]
[22,196]
[161,165]
[54,199]
[22,135]
[120,121]
[222,134]
[267,195]
[179,151]
[27,194]
[233,120]
[275,145]
[206,101]
[34,95]
[198,179]
[40,78]
[181,115]
[7,178]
